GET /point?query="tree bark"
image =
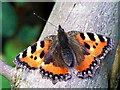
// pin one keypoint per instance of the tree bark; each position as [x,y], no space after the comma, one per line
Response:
[98,17]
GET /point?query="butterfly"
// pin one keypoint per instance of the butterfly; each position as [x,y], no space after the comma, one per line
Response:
[58,56]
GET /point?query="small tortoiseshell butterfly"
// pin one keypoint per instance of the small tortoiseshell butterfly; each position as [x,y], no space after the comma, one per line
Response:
[58,56]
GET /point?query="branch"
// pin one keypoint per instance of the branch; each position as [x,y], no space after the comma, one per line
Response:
[6,71]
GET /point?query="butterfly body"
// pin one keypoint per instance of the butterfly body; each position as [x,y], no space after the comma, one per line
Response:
[58,56]
[65,48]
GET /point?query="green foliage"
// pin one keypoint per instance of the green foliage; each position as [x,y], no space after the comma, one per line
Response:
[5,83]
[0,82]
[12,48]
[20,4]
[20,1]
[28,33]
[9,20]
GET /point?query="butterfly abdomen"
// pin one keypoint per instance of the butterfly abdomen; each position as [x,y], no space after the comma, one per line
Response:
[68,57]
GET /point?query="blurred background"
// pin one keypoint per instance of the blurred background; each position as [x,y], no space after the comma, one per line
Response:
[20,28]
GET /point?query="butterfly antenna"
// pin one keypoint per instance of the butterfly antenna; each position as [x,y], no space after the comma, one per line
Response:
[43,19]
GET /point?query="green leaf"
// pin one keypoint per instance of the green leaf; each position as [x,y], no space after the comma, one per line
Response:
[9,20]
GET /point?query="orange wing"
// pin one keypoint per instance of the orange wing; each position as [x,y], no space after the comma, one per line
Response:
[55,73]
[98,46]
[33,56]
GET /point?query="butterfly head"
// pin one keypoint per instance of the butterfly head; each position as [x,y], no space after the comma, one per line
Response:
[62,36]
[60,30]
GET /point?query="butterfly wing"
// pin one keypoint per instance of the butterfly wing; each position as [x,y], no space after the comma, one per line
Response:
[97,46]
[33,56]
